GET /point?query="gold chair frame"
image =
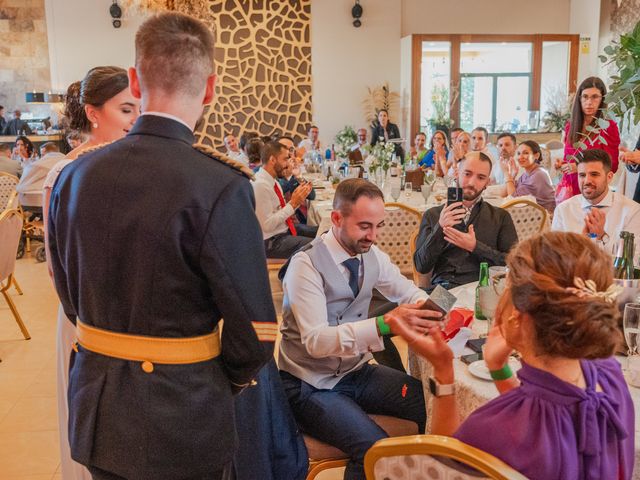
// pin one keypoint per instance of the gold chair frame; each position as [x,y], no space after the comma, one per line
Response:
[4,287]
[524,202]
[414,212]
[441,446]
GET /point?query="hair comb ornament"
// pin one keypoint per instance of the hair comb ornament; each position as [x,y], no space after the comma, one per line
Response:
[588,288]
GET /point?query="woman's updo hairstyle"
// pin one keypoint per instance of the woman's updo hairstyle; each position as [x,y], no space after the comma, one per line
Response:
[98,86]
[565,325]
[535,148]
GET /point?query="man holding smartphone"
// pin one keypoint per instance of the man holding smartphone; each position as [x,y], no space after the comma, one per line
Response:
[449,245]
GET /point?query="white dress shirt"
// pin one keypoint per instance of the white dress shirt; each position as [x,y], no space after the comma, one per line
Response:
[622,214]
[304,292]
[271,215]
[307,144]
[239,156]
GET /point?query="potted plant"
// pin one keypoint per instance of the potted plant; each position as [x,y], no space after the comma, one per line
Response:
[559,110]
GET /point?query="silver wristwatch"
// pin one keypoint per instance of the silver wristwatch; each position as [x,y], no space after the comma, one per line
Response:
[439,390]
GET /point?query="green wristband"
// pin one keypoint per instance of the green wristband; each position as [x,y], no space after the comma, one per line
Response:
[503,374]
[382,326]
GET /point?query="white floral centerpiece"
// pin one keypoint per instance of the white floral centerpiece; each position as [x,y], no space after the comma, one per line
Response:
[380,156]
[344,140]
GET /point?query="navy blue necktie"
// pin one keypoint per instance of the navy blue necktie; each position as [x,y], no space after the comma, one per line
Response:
[353,265]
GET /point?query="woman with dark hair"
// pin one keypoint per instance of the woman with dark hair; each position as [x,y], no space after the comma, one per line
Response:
[24,150]
[103,109]
[436,156]
[568,414]
[385,131]
[253,150]
[588,107]
[534,181]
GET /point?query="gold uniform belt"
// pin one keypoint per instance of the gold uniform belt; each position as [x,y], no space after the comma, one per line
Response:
[146,349]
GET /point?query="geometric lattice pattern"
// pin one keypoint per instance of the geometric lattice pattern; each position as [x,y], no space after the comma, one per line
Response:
[263,63]
[400,222]
[8,194]
[419,467]
[529,218]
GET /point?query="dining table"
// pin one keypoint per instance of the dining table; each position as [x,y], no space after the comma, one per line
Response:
[473,392]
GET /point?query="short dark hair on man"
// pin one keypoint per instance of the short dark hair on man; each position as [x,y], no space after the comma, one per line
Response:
[483,130]
[507,134]
[456,129]
[271,149]
[312,126]
[596,155]
[5,147]
[49,147]
[482,156]
[350,190]
[285,137]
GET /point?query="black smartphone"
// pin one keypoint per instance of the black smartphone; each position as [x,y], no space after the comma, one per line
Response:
[454,194]
[476,344]
[473,357]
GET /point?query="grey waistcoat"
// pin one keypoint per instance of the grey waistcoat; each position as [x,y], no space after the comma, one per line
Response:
[342,307]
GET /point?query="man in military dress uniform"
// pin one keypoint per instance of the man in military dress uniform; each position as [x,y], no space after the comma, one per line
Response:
[152,243]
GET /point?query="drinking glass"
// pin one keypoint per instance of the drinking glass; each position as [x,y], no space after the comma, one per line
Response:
[488,300]
[408,189]
[395,191]
[631,326]
[426,192]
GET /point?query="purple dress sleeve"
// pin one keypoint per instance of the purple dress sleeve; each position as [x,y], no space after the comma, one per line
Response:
[547,428]
[538,184]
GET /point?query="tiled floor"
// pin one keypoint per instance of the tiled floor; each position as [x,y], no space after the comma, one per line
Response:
[29,447]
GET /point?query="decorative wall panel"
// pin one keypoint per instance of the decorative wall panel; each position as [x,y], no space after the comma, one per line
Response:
[263,62]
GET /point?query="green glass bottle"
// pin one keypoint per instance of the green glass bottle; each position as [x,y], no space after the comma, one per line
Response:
[483,281]
[623,262]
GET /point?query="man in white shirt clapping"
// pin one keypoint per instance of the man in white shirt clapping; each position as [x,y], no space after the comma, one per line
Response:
[281,237]
[598,210]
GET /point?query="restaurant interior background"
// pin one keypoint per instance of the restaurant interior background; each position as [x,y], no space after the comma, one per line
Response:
[285,65]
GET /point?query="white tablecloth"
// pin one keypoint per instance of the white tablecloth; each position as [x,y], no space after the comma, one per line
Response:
[473,392]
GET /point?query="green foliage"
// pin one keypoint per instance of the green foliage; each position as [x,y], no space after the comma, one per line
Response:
[344,140]
[623,98]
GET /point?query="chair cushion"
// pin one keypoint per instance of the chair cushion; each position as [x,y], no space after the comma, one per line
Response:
[395,427]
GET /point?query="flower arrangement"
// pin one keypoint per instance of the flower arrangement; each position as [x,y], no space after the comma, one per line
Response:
[559,111]
[344,140]
[441,107]
[381,155]
[429,177]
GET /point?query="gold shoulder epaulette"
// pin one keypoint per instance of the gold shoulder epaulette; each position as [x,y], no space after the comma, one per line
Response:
[221,157]
[93,148]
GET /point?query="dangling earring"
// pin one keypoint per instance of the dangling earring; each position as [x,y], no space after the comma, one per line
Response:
[95,125]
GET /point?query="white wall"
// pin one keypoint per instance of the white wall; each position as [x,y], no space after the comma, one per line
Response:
[81,37]
[585,20]
[346,60]
[490,16]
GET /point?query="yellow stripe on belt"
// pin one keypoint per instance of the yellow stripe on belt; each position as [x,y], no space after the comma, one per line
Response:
[266,331]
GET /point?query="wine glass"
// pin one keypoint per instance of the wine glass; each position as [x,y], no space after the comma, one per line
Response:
[631,326]
[395,191]
[426,192]
[488,302]
[408,189]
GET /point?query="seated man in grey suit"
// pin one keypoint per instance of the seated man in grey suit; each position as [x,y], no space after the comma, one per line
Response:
[327,338]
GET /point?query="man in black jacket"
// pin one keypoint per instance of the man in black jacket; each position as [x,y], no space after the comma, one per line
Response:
[152,243]
[454,239]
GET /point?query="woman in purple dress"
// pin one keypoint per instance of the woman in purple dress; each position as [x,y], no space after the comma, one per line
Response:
[569,414]
[534,181]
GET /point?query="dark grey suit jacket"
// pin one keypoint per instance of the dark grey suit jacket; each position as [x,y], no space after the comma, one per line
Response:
[150,236]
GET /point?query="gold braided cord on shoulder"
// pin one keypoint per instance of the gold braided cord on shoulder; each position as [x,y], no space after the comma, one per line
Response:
[210,152]
[93,148]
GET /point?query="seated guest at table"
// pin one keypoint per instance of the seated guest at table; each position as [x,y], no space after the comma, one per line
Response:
[506,144]
[253,151]
[17,126]
[3,121]
[458,150]
[244,139]
[312,142]
[327,340]
[479,139]
[436,157]
[598,210]
[8,164]
[281,238]
[291,181]
[569,413]
[384,131]
[534,181]
[362,143]
[454,239]
[454,134]
[35,173]
[75,138]
[417,152]
[233,150]
[24,151]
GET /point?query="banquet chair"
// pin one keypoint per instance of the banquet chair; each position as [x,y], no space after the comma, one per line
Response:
[400,222]
[10,230]
[422,280]
[528,217]
[273,267]
[8,193]
[554,145]
[431,457]
[323,456]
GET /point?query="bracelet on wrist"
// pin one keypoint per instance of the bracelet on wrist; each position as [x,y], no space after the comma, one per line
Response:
[503,374]
[383,328]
